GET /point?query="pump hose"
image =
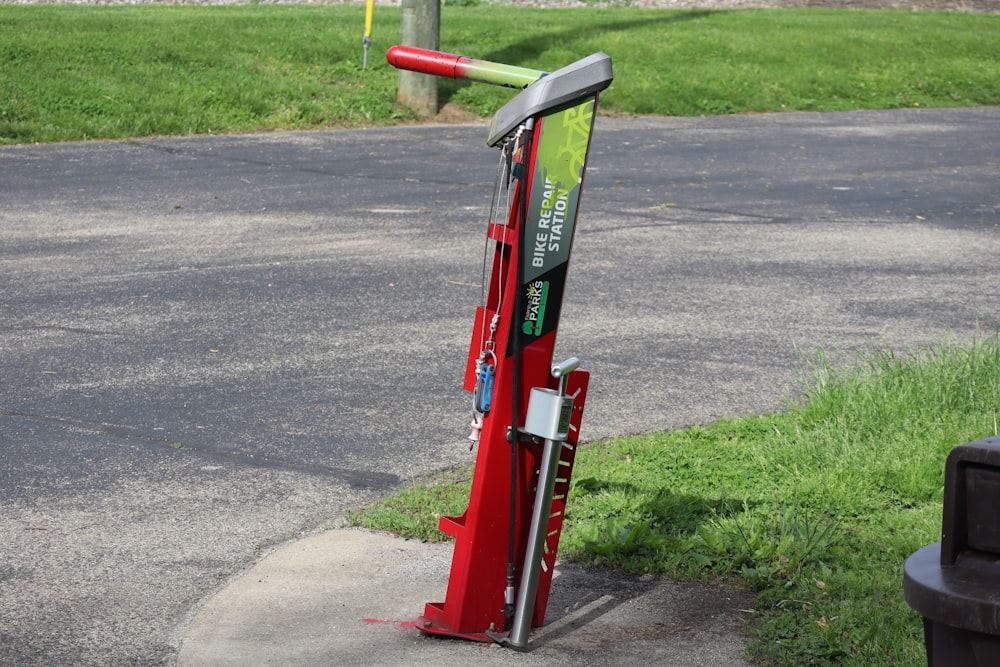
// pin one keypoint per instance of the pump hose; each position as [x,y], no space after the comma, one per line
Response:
[516,378]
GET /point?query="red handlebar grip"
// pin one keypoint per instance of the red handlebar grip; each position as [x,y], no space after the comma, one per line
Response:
[425,61]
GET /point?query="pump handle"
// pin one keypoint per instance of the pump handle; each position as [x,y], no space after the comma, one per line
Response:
[566,367]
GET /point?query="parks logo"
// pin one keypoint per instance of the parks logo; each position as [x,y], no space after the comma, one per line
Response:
[534,312]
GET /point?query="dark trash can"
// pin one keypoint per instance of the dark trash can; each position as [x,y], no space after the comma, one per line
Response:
[955,583]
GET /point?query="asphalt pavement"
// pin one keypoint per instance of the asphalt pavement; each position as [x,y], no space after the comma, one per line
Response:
[213,347]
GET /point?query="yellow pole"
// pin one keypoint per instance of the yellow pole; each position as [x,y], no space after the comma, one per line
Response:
[369,11]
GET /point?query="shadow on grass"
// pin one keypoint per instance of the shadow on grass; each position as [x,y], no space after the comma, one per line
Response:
[658,524]
[527,49]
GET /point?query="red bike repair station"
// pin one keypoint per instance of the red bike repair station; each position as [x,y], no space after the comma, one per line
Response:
[527,409]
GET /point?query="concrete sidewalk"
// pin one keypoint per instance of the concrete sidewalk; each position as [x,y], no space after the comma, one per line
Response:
[350,597]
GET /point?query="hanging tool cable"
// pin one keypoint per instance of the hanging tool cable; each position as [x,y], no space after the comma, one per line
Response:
[486,363]
[369,12]
[482,395]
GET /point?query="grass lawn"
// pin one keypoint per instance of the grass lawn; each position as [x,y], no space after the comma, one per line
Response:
[93,72]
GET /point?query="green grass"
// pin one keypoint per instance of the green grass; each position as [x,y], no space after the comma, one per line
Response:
[815,508]
[86,72]
[106,72]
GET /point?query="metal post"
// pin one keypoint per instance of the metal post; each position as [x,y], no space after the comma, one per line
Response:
[420,26]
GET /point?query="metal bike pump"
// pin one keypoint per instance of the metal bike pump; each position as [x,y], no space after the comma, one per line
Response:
[549,411]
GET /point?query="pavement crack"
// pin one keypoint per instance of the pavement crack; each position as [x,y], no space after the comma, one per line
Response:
[359,479]
[114,430]
[66,329]
[268,164]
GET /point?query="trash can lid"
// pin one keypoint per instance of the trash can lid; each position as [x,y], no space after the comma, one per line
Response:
[965,595]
